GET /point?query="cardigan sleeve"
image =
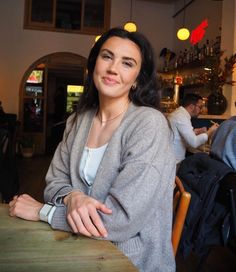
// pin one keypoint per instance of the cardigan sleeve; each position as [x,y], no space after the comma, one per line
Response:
[58,175]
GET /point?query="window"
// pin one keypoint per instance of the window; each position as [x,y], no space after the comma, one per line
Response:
[76,16]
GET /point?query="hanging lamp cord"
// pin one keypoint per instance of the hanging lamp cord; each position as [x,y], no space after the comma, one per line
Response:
[131,8]
[184,14]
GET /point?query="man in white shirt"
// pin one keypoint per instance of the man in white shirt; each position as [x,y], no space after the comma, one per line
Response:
[183,132]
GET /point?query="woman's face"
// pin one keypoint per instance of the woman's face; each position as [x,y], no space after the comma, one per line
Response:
[117,67]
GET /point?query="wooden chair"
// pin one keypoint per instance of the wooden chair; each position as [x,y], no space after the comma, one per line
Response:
[180,208]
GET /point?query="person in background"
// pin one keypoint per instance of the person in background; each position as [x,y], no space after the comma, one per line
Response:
[223,145]
[184,135]
[112,176]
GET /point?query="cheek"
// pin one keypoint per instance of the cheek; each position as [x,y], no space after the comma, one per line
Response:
[130,78]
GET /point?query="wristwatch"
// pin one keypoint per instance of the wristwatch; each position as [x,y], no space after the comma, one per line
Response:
[44,212]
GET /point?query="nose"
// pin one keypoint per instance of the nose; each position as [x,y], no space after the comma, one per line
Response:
[113,67]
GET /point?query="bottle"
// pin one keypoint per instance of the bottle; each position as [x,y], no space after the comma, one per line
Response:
[212,48]
[207,49]
[195,52]
[191,54]
[204,106]
[217,43]
[185,56]
[180,59]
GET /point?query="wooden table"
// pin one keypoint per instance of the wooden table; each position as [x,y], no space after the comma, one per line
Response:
[27,246]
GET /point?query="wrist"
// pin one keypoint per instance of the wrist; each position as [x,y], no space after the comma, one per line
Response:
[209,132]
[44,212]
[72,193]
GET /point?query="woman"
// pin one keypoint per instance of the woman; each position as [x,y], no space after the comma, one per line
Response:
[112,175]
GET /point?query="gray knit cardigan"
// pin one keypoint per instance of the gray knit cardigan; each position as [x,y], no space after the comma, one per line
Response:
[135,179]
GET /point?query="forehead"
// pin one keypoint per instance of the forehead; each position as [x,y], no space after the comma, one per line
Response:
[122,46]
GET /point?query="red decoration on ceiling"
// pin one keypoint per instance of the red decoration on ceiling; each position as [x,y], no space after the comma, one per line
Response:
[199,32]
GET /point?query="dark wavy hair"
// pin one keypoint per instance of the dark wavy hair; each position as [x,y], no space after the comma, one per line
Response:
[147,91]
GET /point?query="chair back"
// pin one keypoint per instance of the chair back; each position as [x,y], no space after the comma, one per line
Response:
[180,208]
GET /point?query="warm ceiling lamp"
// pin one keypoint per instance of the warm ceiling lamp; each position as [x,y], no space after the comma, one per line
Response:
[97,38]
[130,25]
[183,33]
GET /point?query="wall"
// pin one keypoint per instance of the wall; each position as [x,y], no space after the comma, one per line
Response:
[228,43]
[195,13]
[19,47]
[219,14]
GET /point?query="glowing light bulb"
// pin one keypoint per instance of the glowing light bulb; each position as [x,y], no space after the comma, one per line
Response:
[97,38]
[183,34]
[130,26]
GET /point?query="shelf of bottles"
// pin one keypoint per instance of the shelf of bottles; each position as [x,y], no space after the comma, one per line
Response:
[191,65]
[190,60]
[197,56]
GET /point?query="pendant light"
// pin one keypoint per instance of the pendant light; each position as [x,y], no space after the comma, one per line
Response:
[183,33]
[130,25]
[97,38]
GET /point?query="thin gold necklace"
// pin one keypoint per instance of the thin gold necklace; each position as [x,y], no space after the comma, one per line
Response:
[111,119]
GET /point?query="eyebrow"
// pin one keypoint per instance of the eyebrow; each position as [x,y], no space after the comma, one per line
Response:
[124,58]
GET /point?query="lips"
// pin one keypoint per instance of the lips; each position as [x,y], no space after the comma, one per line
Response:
[109,81]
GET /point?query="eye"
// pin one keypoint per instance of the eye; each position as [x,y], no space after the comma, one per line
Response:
[106,56]
[128,64]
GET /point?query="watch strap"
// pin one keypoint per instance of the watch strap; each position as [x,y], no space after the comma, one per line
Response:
[44,212]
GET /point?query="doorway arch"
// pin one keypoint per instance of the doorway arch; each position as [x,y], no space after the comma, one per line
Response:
[36,97]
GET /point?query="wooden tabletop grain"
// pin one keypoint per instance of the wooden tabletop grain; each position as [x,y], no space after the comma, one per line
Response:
[33,246]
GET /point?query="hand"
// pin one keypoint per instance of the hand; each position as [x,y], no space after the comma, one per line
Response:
[200,130]
[25,207]
[212,129]
[82,214]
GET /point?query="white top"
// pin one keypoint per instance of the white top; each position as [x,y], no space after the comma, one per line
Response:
[184,136]
[89,163]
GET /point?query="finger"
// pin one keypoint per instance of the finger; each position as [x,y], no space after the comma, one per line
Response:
[77,225]
[11,212]
[103,208]
[72,224]
[96,219]
[89,224]
[12,203]
[27,197]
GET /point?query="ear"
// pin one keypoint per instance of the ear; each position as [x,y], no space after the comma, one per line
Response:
[190,108]
[134,86]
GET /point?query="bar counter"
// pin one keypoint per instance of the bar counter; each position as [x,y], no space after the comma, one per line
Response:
[33,246]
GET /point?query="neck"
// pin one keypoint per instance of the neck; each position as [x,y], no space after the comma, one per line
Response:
[112,116]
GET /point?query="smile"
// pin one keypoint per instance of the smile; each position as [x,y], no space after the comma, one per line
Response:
[109,81]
